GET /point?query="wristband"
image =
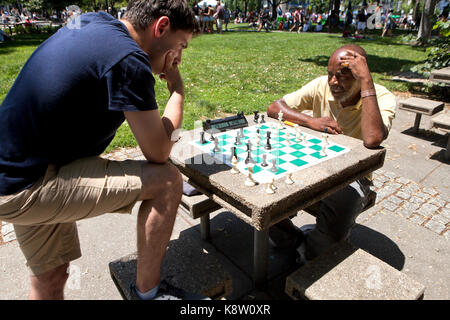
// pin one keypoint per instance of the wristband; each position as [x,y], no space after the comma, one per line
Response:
[368,93]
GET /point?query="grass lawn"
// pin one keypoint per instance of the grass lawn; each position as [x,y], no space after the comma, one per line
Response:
[242,71]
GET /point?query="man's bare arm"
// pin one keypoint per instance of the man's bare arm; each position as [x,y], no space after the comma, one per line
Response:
[155,134]
[302,119]
[372,127]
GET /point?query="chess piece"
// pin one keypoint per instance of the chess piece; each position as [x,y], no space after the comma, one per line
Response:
[258,140]
[289,179]
[268,145]
[241,133]
[264,163]
[274,166]
[322,151]
[238,140]
[325,139]
[250,182]
[262,119]
[202,137]
[288,139]
[233,152]
[269,188]
[280,116]
[211,138]
[255,118]
[234,168]
[216,145]
[272,184]
[249,158]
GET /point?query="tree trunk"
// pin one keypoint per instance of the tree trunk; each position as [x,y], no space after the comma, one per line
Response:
[425,22]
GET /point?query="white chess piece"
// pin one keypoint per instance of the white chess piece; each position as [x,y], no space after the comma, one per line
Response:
[234,169]
[289,179]
[298,134]
[325,139]
[250,182]
[269,188]
[280,120]
[322,151]
[272,184]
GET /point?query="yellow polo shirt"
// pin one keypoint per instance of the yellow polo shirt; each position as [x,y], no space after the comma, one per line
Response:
[316,96]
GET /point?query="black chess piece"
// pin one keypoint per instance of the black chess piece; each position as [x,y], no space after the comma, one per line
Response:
[262,119]
[233,152]
[212,137]
[268,145]
[255,118]
[238,140]
[269,134]
[202,137]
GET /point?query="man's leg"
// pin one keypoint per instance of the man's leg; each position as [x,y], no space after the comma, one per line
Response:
[336,217]
[161,195]
[49,285]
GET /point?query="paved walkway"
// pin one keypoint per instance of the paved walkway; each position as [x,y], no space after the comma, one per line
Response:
[409,227]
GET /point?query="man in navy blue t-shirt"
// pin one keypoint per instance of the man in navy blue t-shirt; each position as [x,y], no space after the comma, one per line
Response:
[61,113]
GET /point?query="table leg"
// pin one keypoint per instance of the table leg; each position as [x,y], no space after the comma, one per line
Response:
[417,122]
[260,258]
[447,151]
[204,227]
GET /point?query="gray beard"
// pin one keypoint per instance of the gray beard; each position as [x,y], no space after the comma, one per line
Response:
[349,94]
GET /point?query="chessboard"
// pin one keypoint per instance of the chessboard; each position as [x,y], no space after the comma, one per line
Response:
[275,150]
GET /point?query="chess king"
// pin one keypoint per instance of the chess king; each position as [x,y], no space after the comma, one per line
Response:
[346,101]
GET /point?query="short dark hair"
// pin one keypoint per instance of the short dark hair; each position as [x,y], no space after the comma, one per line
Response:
[142,13]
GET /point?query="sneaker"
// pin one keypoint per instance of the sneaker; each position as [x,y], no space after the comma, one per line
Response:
[285,235]
[168,292]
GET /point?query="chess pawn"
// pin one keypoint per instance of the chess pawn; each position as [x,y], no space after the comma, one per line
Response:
[269,188]
[258,140]
[234,168]
[289,179]
[322,151]
[250,182]
[272,184]
[325,139]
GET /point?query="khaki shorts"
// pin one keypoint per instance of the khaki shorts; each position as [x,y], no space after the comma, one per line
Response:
[44,215]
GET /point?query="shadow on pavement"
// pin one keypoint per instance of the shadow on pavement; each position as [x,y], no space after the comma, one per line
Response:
[378,245]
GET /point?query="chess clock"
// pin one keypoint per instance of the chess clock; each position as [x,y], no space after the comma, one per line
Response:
[224,124]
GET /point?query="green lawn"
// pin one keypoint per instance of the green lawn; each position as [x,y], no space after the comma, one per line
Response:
[242,71]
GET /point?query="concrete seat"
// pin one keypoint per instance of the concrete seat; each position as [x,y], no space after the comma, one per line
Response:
[189,264]
[442,121]
[349,273]
[420,106]
[441,76]
[199,206]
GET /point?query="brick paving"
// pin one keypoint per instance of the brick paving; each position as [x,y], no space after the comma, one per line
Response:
[395,194]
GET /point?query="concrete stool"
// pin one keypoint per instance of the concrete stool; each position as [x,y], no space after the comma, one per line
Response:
[421,106]
[441,75]
[349,273]
[199,206]
[189,264]
[442,122]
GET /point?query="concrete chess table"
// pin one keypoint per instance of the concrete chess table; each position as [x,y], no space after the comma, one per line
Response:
[259,209]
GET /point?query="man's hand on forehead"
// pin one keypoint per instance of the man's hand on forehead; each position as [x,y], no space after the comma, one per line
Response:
[355,62]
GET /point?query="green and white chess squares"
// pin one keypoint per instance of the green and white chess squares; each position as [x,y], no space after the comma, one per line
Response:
[273,153]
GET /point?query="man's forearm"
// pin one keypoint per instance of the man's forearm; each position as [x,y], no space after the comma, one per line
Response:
[372,126]
[173,114]
[288,113]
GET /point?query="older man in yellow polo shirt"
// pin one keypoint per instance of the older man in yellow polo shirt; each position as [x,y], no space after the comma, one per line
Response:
[347,101]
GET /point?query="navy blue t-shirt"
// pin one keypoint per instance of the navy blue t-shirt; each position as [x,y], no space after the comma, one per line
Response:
[68,100]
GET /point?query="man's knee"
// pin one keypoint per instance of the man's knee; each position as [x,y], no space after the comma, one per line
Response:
[53,280]
[161,178]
